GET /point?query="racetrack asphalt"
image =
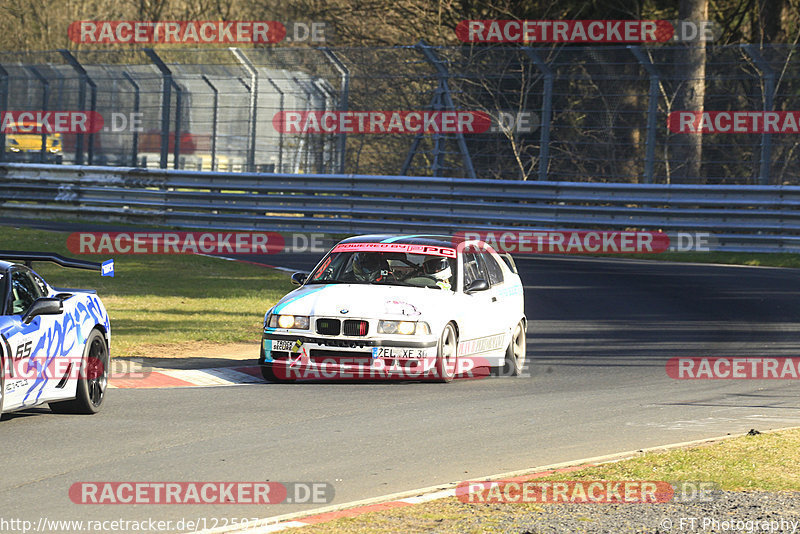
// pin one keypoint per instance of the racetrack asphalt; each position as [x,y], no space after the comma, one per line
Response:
[601,331]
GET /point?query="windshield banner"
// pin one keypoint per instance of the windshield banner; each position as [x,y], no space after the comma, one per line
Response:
[396,247]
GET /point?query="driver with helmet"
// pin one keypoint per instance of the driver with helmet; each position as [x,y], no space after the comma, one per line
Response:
[439,269]
[367,266]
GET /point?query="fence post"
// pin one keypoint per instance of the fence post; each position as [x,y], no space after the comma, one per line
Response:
[305,140]
[444,88]
[652,111]
[329,162]
[81,103]
[769,95]
[251,150]
[45,98]
[280,133]
[85,80]
[344,72]
[176,145]
[213,123]
[135,147]
[547,111]
[3,109]
[166,87]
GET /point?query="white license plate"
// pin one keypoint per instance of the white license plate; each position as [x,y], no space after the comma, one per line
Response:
[395,352]
[282,344]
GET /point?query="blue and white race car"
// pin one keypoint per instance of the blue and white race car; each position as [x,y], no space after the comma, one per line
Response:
[421,305]
[54,342]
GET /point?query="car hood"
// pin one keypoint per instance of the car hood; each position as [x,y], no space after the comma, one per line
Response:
[362,300]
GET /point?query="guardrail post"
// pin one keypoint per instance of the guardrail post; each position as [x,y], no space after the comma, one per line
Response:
[45,98]
[213,123]
[547,111]
[3,109]
[135,147]
[344,72]
[166,87]
[652,111]
[444,87]
[251,70]
[85,80]
[769,95]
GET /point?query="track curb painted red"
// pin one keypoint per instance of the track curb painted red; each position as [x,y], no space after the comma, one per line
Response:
[419,496]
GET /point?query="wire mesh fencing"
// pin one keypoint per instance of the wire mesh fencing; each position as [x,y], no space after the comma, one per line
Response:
[562,113]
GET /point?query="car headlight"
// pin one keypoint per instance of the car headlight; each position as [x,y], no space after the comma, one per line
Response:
[403,327]
[298,322]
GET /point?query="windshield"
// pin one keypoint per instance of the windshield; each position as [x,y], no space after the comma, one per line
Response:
[387,268]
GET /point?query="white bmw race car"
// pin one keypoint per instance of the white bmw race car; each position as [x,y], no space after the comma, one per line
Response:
[407,307]
[54,342]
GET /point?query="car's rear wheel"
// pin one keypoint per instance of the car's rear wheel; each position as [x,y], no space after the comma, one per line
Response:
[447,354]
[92,378]
[515,354]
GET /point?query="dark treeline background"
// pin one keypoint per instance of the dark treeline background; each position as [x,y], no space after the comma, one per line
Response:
[42,24]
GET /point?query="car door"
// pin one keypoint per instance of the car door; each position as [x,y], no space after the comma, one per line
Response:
[33,346]
[505,300]
[481,310]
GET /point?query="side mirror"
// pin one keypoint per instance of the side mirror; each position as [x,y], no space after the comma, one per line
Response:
[43,306]
[299,278]
[476,285]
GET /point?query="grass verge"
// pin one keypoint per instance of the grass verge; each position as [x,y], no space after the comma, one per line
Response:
[160,302]
[729,258]
[763,462]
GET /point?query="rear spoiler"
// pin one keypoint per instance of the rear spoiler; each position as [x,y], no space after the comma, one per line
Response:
[58,259]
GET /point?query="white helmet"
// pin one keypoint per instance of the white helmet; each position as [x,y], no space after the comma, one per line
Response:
[438,268]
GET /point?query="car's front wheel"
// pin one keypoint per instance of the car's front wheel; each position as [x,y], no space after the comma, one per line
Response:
[447,354]
[515,353]
[92,378]
[268,372]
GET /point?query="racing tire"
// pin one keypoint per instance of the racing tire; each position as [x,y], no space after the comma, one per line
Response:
[515,354]
[268,373]
[92,379]
[447,355]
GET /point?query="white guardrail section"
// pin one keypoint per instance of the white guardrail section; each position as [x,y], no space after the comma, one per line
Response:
[740,218]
